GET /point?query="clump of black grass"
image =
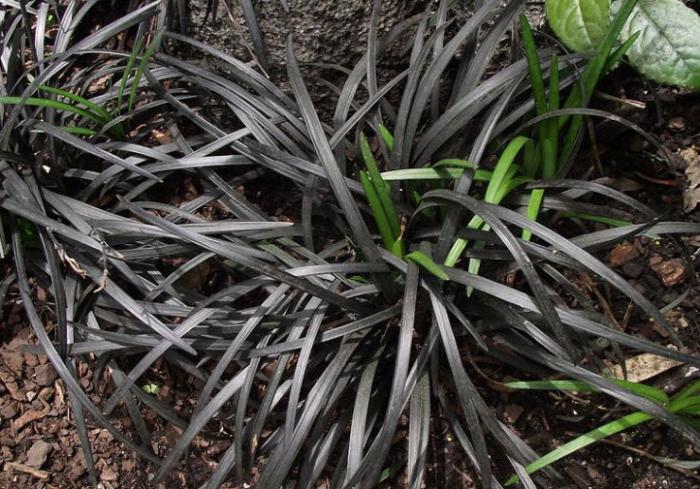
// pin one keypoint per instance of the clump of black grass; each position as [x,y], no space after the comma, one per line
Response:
[326,333]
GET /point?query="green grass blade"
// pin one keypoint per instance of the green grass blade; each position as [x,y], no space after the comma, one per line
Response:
[531,159]
[595,69]
[81,131]
[533,64]
[398,248]
[649,392]
[454,163]
[583,441]
[129,65]
[387,137]
[377,210]
[503,167]
[688,391]
[512,184]
[533,210]
[549,131]
[381,187]
[51,104]
[150,50]
[497,189]
[99,111]
[433,174]
[423,260]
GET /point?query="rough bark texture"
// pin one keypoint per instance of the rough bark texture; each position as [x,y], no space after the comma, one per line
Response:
[325,31]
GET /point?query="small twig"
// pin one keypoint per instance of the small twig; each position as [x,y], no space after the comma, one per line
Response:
[39,474]
[588,283]
[625,101]
[658,181]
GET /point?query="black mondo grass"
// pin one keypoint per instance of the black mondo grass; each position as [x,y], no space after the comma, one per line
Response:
[312,345]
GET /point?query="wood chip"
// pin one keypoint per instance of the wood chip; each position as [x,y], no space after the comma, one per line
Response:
[38,454]
[39,474]
[622,253]
[671,272]
[31,416]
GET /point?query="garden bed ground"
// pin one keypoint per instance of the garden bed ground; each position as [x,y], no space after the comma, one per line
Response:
[39,446]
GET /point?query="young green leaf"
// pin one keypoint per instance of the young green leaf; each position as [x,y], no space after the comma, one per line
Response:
[377,210]
[652,393]
[77,99]
[387,137]
[51,104]
[426,262]
[127,70]
[433,174]
[583,441]
[382,189]
[150,51]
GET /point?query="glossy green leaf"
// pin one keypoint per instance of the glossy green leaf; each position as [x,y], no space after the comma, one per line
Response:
[668,49]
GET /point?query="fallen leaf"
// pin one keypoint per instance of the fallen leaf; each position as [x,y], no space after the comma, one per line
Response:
[643,367]
[691,194]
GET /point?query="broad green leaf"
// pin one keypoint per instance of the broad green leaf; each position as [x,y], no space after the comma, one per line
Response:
[668,49]
[580,24]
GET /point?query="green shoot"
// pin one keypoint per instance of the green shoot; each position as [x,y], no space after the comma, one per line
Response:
[51,104]
[129,64]
[382,189]
[433,174]
[685,403]
[377,210]
[649,392]
[77,99]
[499,184]
[150,51]
[387,137]
[595,69]
[423,260]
